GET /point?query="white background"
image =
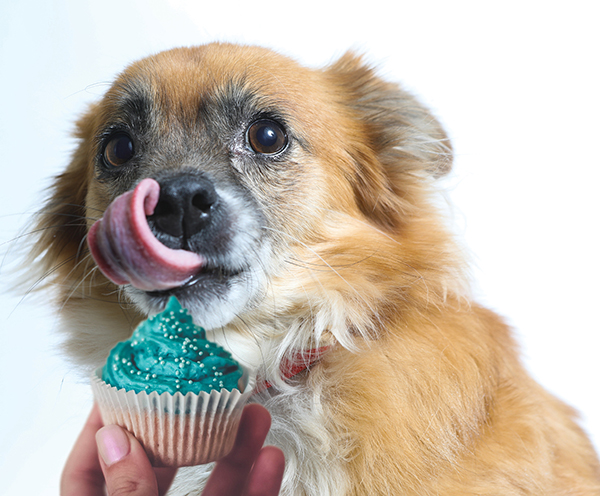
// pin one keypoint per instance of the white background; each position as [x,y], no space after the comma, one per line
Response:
[516,85]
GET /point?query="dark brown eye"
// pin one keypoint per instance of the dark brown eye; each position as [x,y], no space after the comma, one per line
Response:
[119,150]
[267,137]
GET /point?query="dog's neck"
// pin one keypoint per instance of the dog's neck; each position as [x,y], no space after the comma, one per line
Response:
[296,363]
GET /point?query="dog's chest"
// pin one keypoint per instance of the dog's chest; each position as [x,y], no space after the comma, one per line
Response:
[313,456]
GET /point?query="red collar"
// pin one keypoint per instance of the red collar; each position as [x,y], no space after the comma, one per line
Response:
[298,362]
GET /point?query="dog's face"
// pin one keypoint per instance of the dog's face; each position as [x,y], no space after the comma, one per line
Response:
[234,147]
[287,189]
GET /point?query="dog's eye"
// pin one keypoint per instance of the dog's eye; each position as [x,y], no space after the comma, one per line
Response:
[119,150]
[267,137]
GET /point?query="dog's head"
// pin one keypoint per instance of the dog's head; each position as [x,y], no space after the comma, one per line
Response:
[264,195]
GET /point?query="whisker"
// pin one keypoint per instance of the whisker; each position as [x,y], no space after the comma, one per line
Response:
[348,216]
[39,230]
[415,272]
[75,286]
[89,87]
[46,274]
[356,292]
[301,263]
[48,208]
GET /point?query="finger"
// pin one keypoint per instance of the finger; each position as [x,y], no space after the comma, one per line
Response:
[231,472]
[126,467]
[82,475]
[164,478]
[267,473]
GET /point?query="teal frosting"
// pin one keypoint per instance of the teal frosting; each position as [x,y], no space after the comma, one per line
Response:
[169,353]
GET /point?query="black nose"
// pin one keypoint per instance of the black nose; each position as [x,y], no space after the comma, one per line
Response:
[185,205]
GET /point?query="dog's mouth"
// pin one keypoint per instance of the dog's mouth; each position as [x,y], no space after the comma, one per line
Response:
[205,276]
[127,252]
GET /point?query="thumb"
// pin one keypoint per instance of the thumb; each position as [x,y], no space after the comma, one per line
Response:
[126,467]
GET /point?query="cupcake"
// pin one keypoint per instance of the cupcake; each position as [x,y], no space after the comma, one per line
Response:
[179,394]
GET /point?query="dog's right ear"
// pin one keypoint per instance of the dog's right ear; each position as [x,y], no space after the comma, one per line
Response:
[61,224]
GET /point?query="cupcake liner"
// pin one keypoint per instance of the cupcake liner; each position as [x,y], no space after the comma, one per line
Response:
[176,430]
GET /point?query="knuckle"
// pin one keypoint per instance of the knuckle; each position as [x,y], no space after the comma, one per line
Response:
[124,486]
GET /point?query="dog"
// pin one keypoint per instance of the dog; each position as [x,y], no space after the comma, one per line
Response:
[293,211]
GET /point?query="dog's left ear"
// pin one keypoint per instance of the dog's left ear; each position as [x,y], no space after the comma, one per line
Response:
[394,136]
[393,117]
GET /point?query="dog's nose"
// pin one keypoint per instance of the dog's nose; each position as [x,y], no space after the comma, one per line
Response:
[185,205]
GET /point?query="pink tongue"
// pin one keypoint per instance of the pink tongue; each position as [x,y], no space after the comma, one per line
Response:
[127,252]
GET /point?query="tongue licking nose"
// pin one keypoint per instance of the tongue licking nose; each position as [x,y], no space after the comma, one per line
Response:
[127,252]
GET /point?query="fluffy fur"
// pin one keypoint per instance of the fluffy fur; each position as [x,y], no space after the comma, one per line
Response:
[422,392]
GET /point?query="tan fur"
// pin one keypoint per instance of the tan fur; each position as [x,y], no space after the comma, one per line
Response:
[423,392]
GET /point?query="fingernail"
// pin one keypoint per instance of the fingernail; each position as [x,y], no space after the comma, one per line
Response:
[113,444]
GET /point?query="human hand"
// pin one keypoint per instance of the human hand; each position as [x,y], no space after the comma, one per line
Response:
[124,469]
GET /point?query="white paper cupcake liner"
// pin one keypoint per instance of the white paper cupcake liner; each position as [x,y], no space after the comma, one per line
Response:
[176,430]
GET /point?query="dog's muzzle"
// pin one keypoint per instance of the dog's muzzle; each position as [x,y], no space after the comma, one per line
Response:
[125,248]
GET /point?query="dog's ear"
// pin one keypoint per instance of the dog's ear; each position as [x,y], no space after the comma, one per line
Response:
[394,130]
[394,118]
[61,224]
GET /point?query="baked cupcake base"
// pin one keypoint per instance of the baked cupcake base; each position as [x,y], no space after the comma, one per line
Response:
[176,430]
